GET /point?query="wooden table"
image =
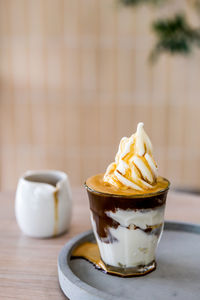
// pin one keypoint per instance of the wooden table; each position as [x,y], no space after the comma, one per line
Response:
[28,267]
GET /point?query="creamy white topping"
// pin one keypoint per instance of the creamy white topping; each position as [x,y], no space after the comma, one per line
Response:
[134,165]
[140,218]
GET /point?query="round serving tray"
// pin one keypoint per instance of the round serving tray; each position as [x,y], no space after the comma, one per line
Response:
[177,275]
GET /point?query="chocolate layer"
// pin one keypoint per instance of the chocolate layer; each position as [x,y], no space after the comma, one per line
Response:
[102,203]
[102,225]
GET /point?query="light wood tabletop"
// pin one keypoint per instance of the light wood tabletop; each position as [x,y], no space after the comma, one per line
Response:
[28,267]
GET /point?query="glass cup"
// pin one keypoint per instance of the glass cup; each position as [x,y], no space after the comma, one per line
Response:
[127,229]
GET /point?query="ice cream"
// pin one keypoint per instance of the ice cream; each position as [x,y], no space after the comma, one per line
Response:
[127,206]
[134,166]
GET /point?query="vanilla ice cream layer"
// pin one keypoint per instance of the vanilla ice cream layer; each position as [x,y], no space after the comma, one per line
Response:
[131,245]
[140,218]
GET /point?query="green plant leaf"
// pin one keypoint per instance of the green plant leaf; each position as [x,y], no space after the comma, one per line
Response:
[136,2]
[175,36]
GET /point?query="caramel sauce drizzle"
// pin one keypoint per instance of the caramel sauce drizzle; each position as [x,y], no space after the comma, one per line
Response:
[55,194]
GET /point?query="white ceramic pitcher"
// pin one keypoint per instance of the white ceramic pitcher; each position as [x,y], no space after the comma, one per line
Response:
[43,203]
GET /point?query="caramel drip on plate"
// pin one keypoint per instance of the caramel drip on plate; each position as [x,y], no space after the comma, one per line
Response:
[90,252]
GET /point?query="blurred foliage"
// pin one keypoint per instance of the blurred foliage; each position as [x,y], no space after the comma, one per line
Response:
[135,2]
[174,34]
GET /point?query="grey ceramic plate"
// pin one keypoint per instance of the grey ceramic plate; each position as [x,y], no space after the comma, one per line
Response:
[177,275]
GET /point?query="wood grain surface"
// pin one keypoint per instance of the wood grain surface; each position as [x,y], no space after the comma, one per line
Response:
[28,267]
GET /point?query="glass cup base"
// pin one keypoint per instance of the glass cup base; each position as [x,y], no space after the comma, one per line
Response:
[131,271]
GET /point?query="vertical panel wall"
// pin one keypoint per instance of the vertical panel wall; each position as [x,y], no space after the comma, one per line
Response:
[75,78]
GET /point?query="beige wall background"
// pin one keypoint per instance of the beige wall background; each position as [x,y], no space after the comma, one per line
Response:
[75,78]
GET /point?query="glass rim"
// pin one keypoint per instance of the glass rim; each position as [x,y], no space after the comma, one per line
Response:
[146,195]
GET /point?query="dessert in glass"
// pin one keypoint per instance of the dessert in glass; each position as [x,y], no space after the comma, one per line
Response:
[127,206]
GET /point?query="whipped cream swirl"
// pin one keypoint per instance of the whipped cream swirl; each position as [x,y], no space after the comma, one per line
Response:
[134,166]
